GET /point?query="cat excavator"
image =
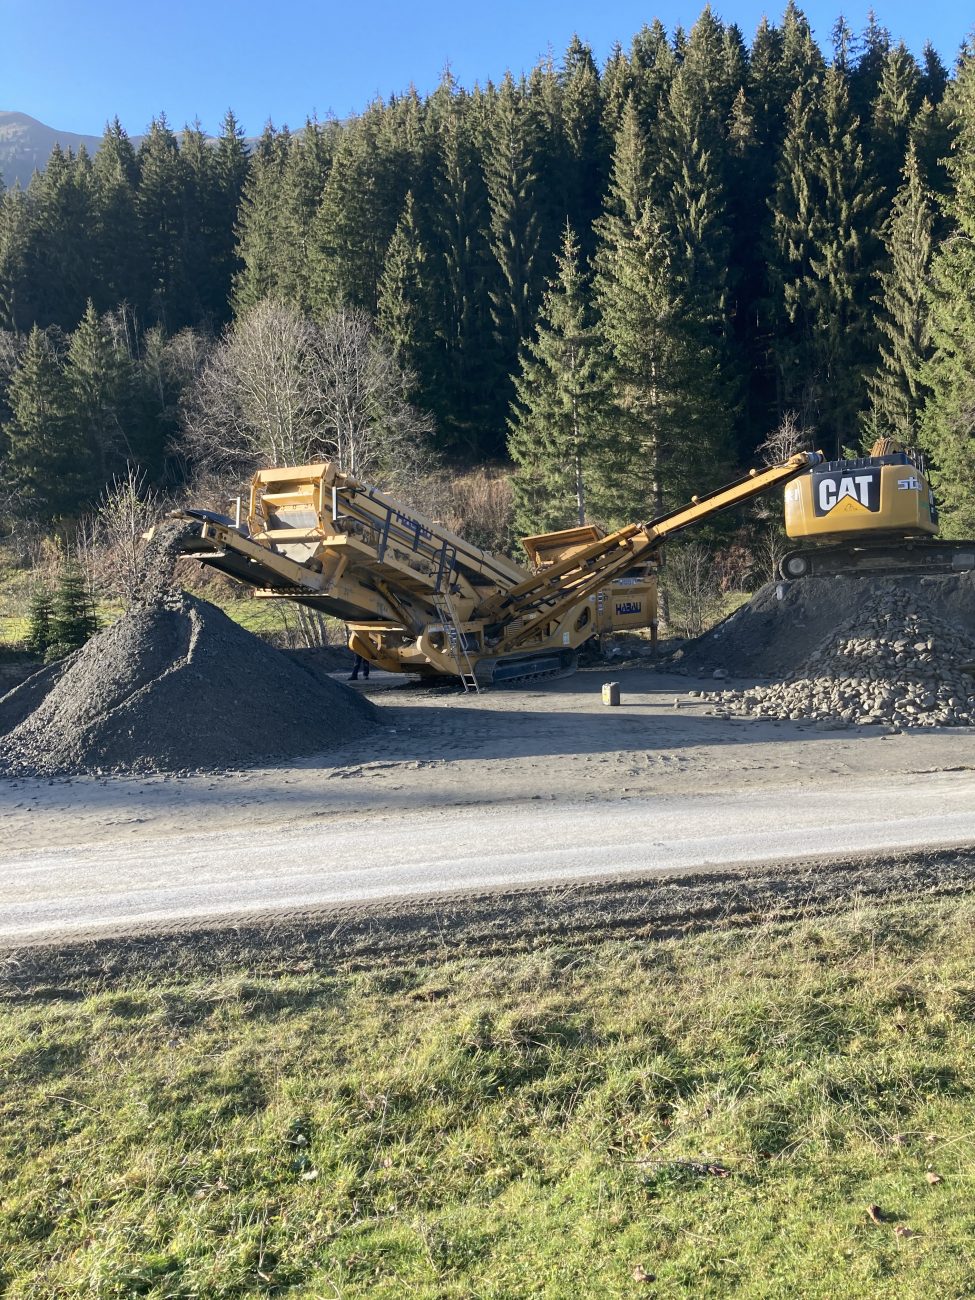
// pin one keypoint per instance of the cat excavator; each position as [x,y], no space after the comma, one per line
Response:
[872,515]
[417,598]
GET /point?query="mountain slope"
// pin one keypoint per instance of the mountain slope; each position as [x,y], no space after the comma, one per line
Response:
[26,143]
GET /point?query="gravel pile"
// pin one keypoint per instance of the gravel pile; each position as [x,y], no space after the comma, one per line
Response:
[894,662]
[770,635]
[174,685]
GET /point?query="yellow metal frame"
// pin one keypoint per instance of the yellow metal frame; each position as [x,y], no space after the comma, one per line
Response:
[418,598]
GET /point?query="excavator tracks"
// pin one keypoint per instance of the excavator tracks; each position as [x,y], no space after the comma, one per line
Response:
[900,558]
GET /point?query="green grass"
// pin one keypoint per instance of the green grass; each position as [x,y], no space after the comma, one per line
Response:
[509,1127]
[262,617]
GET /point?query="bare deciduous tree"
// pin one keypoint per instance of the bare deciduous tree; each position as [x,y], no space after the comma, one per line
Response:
[281,389]
[127,510]
[693,589]
[785,441]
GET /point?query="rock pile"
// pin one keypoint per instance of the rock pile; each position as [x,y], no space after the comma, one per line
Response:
[771,635]
[892,663]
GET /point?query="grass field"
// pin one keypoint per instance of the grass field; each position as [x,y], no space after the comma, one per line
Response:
[717,1111]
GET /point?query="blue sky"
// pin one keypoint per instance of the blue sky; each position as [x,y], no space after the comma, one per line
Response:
[75,63]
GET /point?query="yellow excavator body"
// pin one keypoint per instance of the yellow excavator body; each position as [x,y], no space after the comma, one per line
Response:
[868,515]
[418,598]
[886,492]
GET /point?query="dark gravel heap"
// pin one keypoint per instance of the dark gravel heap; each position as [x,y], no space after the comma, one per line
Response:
[772,634]
[174,685]
[893,662]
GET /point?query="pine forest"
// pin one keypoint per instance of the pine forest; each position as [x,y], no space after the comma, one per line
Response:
[607,287]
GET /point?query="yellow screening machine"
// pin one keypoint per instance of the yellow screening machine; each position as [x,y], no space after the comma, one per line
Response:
[417,598]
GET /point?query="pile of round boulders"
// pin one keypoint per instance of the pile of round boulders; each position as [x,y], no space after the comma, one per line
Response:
[893,663]
[174,686]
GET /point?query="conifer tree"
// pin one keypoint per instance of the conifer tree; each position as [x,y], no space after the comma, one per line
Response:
[356,218]
[895,386]
[303,175]
[99,378]
[219,173]
[948,420]
[40,610]
[669,421]
[892,112]
[119,268]
[511,175]
[60,251]
[690,183]
[403,310]
[865,71]
[934,76]
[560,396]
[823,215]
[842,262]
[198,219]
[259,250]
[162,211]
[464,358]
[16,220]
[47,463]
[586,152]
[73,618]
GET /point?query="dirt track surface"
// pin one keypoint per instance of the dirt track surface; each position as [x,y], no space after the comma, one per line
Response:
[539,751]
[365,858]
[432,929]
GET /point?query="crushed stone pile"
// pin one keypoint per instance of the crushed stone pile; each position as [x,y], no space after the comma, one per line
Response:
[770,635]
[894,662]
[174,685]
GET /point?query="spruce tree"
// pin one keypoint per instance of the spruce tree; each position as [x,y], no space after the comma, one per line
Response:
[586,152]
[259,252]
[404,311]
[822,260]
[668,428]
[73,618]
[511,175]
[560,396]
[198,217]
[948,419]
[60,252]
[40,611]
[120,271]
[356,218]
[895,386]
[162,212]
[48,464]
[98,372]
[842,262]
[464,359]
[893,110]
[228,176]
[301,184]
[16,223]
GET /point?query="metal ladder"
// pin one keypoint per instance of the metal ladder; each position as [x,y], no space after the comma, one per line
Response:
[445,612]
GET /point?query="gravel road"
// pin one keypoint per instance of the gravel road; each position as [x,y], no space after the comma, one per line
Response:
[371,856]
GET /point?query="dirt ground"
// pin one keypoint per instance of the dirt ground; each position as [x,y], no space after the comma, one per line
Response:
[440,748]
